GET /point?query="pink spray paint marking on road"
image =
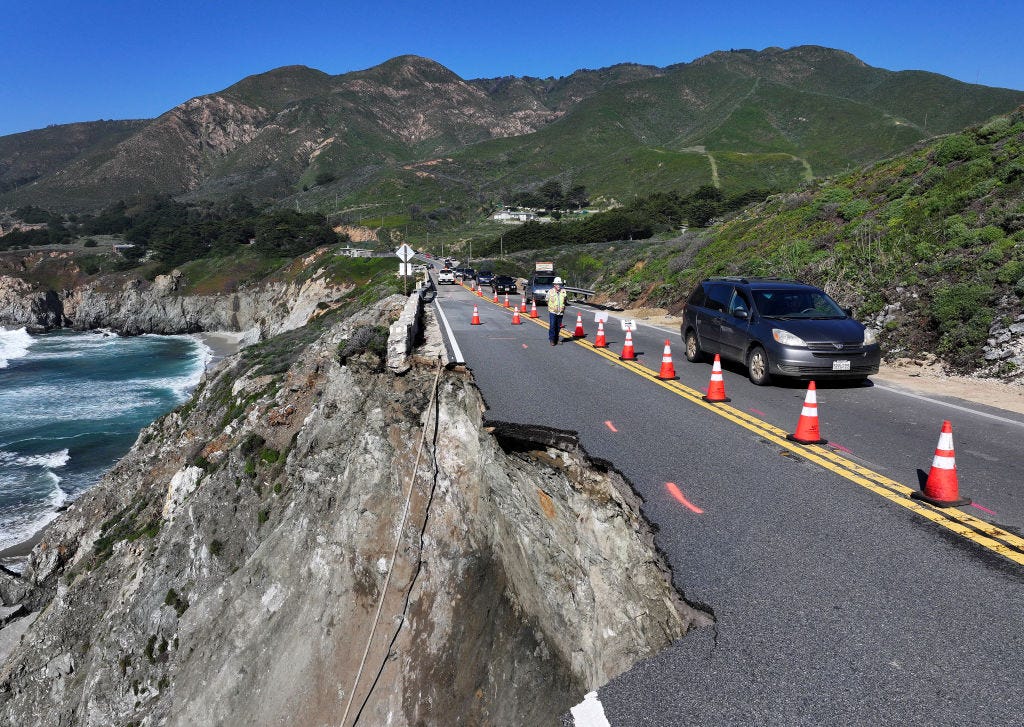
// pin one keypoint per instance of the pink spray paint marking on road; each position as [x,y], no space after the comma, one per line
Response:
[758,412]
[674,490]
[983,508]
[525,346]
[611,426]
[840,447]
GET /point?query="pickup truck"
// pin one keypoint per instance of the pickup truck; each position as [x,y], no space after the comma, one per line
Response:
[445,276]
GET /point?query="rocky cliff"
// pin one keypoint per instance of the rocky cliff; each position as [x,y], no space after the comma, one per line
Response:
[313,540]
[137,306]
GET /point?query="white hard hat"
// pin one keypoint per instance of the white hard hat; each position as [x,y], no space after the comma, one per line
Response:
[558,281]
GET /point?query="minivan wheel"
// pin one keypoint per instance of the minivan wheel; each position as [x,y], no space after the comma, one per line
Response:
[758,367]
[693,352]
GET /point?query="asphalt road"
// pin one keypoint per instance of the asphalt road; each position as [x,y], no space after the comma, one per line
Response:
[834,604]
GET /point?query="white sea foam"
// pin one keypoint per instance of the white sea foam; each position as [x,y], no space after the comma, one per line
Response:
[57,496]
[13,344]
[26,513]
[52,460]
[181,386]
[19,527]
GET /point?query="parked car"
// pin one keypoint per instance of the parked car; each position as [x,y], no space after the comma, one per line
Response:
[446,276]
[777,327]
[464,273]
[537,287]
[484,277]
[503,284]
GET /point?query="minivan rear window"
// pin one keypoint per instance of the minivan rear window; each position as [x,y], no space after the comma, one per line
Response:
[718,296]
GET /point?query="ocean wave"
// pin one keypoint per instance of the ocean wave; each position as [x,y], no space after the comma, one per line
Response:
[68,438]
[57,496]
[13,344]
[20,525]
[181,386]
[27,509]
[51,460]
[99,401]
[65,345]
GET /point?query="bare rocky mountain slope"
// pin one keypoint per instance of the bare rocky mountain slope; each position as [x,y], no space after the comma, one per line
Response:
[230,568]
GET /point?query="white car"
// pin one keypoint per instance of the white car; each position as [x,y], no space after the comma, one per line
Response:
[445,275]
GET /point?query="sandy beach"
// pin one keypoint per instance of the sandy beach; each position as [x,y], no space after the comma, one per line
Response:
[22,549]
[222,344]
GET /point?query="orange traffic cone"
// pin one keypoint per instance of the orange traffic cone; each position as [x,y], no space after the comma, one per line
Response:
[533,309]
[476,316]
[479,291]
[941,488]
[579,333]
[495,297]
[807,428]
[522,308]
[628,354]
[506,300]
[716,389]
[516,320]
[668,370]
[600,341]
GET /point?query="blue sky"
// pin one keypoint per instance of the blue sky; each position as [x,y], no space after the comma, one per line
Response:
[85,60]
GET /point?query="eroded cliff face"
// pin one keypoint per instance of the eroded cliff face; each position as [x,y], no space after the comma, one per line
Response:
[136,306]
[229,570]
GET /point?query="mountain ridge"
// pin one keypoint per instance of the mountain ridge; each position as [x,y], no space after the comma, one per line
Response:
[295,132]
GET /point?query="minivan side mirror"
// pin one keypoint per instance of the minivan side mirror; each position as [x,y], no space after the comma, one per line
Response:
[848,312]
[741,314]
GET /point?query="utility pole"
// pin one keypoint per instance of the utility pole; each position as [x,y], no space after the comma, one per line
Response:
[501,247]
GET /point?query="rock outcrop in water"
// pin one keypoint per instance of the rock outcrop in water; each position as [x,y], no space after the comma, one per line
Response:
[230,568]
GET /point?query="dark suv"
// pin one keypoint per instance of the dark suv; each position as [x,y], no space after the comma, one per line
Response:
[503,284]
[777,327]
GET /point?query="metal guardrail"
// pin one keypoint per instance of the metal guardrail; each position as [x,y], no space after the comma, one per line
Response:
[578,291]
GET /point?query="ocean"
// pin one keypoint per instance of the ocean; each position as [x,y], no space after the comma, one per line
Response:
[71,405]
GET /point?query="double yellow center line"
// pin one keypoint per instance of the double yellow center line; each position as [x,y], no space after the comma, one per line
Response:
[964,524]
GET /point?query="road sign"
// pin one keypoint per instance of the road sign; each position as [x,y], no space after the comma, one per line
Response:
[405,253]
[405,269]
[601,316]
[629,325]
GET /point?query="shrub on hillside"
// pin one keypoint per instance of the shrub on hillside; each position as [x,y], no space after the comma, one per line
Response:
[962,314]
[956,147]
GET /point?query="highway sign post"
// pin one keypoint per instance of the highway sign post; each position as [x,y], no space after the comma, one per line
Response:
[405,254]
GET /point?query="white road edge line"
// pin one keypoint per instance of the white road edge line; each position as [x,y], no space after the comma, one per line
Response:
[456,351]
[590,712]
[950,406]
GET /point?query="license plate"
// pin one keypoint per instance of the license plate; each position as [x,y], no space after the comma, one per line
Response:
[840,365]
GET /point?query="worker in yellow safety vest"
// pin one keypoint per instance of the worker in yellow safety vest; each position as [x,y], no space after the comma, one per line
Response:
[556,309]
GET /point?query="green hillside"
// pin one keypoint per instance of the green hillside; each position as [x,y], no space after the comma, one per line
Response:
[739,120]
[929,245]
[411,132]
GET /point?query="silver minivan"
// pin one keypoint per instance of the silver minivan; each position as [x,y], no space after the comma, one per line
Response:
[777,328]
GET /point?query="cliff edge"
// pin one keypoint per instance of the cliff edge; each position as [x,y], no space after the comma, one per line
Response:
[314,540]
